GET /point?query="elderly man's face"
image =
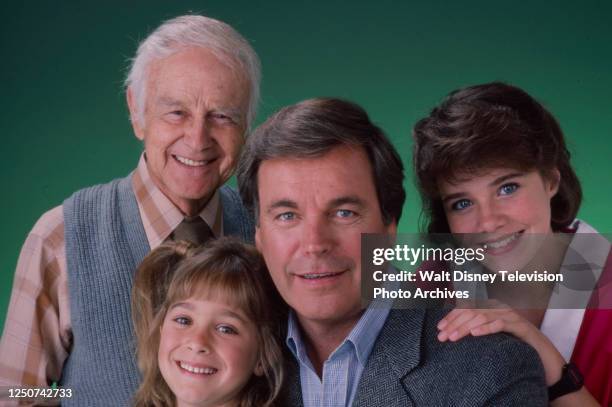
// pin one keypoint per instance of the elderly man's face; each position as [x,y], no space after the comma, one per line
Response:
[194,124]
[312,213]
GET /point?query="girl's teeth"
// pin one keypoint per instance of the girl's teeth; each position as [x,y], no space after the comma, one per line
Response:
[198,370]
[501,243]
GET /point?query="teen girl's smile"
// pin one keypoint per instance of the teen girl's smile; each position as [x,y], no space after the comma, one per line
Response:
[497,208]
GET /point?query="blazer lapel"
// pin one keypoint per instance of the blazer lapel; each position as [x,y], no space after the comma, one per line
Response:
[291,392]
[396,352]
[236,220]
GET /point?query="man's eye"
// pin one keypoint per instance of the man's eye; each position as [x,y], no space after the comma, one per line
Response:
[222,118]
[345,213]
[175,115]
[226,329]
[286,216]
[182,320]
[461,204]
[508,189]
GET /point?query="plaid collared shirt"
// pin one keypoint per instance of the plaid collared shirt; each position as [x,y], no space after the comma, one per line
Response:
[37,333]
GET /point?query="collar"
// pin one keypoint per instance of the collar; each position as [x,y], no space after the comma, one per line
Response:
[588,252]
[582,267]
[159,215]
[361,338]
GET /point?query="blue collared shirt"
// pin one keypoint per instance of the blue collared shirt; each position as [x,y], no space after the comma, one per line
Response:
[343,369]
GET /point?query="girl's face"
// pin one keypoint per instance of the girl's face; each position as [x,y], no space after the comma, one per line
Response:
[500,208]
[208,352]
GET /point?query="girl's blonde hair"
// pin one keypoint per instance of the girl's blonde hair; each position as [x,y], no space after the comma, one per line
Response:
[223,269]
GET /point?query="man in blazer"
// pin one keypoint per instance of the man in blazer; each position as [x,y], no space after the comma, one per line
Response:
[317,175]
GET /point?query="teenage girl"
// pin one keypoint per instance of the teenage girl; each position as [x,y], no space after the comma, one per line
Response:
[491,161]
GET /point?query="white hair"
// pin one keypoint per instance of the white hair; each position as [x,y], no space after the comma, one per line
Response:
[186,31]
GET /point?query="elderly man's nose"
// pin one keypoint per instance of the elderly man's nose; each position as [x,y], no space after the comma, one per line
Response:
[198,134]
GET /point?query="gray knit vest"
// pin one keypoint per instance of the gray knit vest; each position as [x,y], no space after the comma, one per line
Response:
[105,242]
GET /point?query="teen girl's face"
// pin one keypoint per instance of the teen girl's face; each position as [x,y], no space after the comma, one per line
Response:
[501,209]
[207,353]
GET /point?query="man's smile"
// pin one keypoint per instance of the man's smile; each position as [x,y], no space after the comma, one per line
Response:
[192,163]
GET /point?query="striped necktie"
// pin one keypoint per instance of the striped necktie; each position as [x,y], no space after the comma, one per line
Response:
[194,230]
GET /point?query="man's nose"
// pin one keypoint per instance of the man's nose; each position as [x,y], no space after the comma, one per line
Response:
[198,134]
[317,236]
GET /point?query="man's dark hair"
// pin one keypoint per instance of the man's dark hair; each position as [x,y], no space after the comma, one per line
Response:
[493,125]
[312,128]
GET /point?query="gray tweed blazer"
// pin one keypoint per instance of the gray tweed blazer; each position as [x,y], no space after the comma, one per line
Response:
[408,366]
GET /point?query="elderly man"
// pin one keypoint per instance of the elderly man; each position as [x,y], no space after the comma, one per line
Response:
[192,92]
[317,175]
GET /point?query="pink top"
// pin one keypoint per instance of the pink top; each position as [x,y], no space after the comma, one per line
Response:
[593,350]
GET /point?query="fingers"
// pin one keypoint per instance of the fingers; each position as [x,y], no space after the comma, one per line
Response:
[492,327]
[450,317]
[459,322]
[488,304]
[462,326]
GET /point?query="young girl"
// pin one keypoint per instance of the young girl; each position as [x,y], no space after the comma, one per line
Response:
[490,161]
[207,322]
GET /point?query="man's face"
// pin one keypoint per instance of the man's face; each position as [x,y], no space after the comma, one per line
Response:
[194,123]
[312,213]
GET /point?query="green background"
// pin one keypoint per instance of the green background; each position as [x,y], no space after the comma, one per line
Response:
[64,123]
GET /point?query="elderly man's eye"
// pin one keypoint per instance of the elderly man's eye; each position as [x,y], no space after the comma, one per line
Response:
[222,118]
[175,115]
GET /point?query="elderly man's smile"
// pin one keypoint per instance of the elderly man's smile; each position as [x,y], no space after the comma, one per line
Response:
[193,163]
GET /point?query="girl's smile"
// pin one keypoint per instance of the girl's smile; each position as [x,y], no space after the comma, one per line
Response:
[208,352]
